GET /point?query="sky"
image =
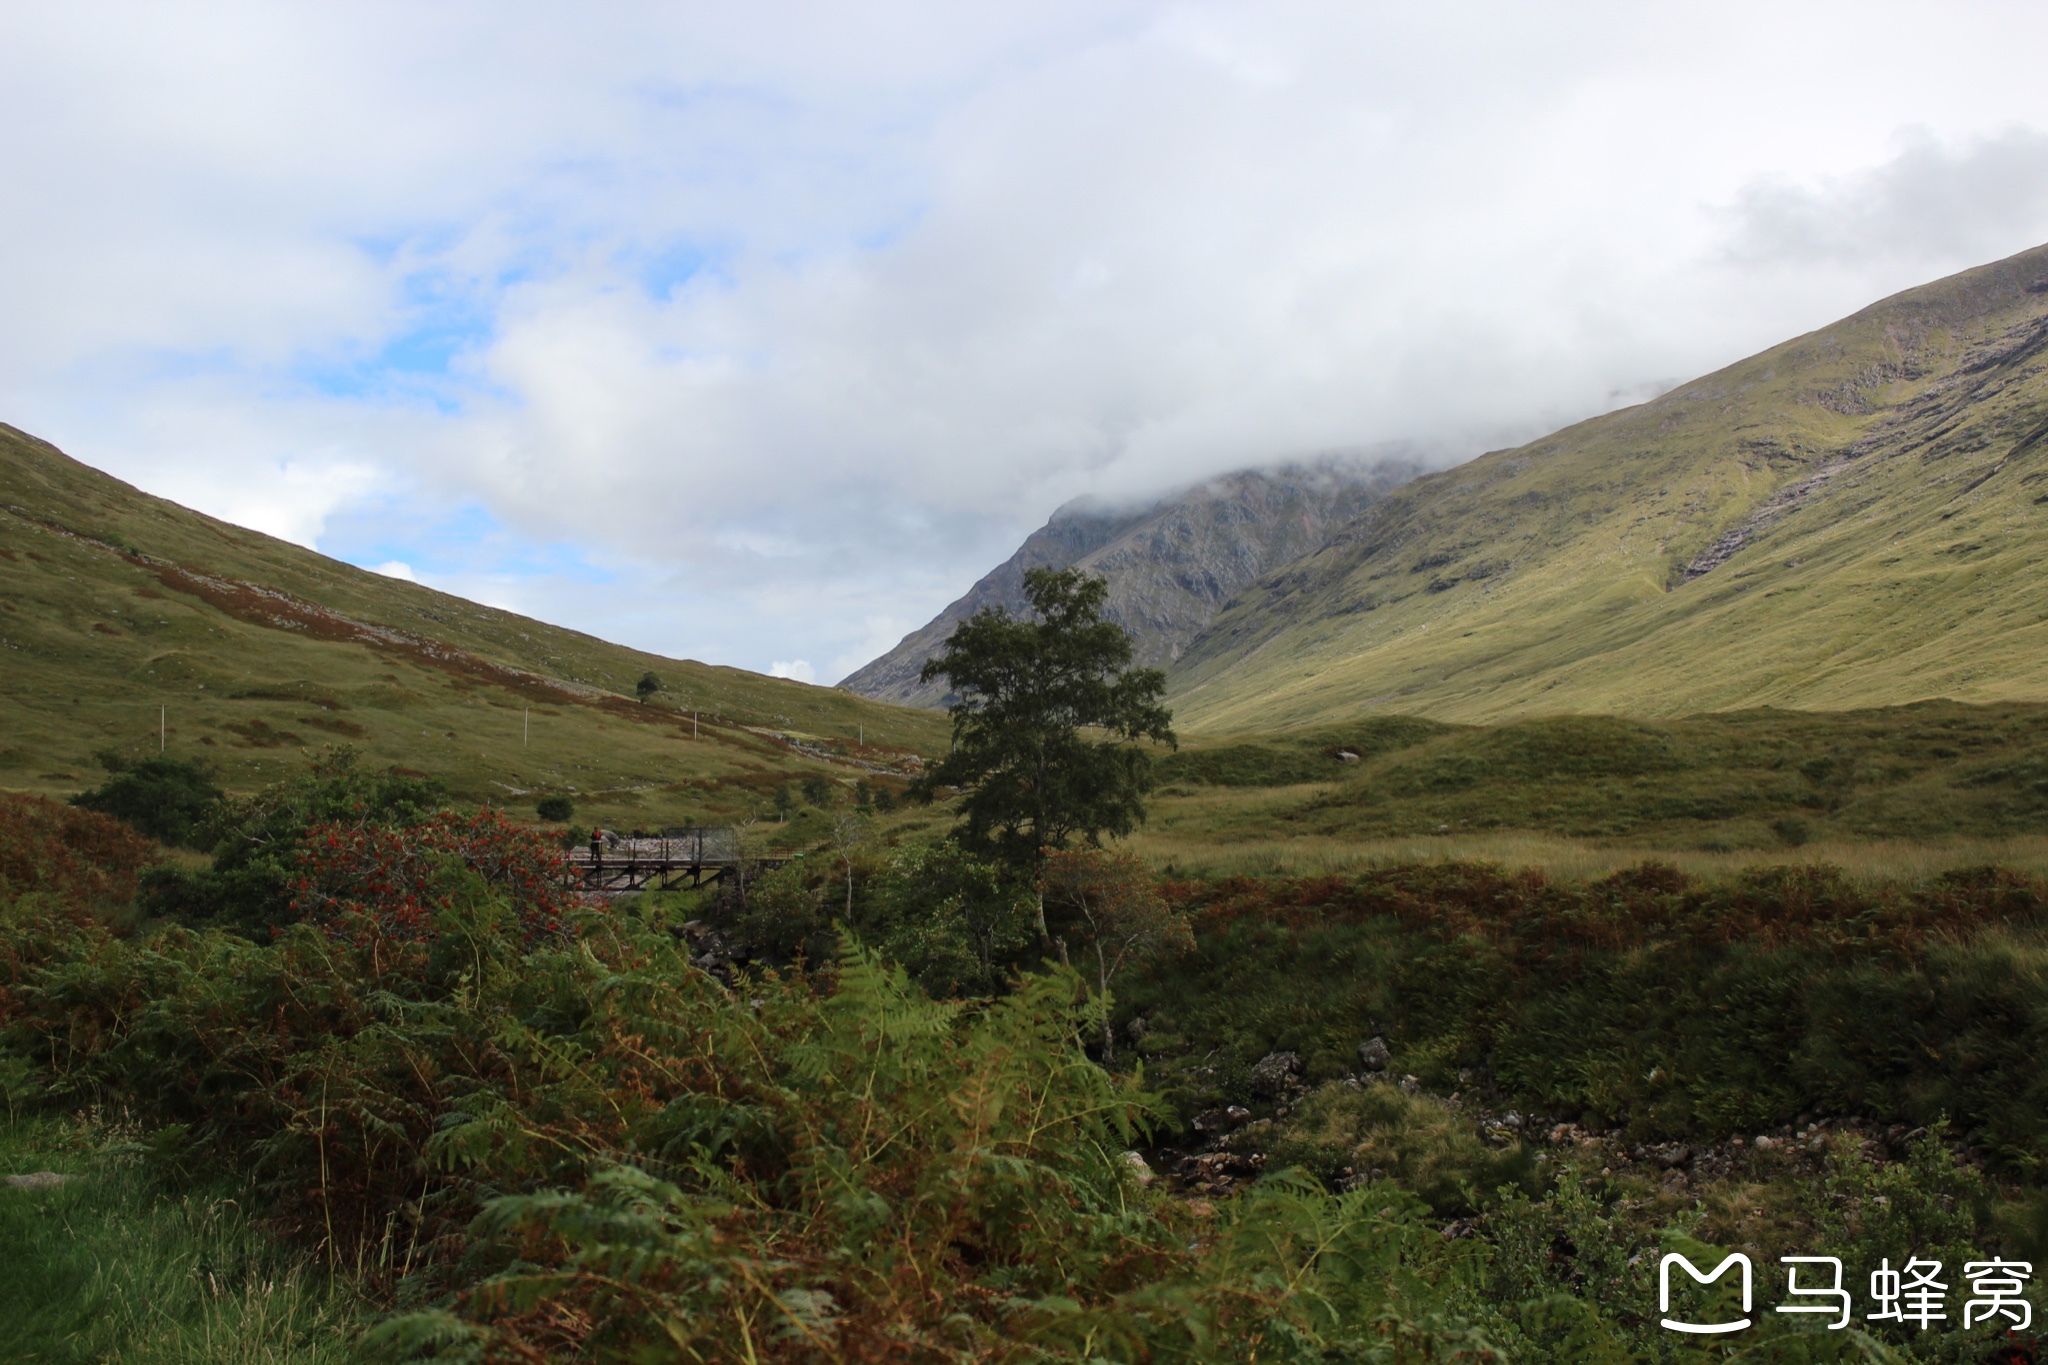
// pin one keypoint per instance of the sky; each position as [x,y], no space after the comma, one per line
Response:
[754,333]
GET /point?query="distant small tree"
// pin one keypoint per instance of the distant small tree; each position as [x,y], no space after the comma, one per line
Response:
[648,685]
[885,800]
[819,791]
[556,808]
[1117,908]
[785,802]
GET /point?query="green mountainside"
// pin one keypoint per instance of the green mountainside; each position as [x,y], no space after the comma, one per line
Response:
[114,604]
[1855,518]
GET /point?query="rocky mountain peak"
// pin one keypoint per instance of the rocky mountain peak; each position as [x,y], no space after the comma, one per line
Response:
[1172,563]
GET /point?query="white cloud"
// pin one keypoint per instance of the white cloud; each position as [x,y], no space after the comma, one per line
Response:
[395,568]
[799,670]
[790,320]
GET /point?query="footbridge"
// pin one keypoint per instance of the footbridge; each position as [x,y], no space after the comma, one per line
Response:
[683,858]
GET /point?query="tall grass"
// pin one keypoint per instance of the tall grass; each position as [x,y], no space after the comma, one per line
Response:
[111,1268]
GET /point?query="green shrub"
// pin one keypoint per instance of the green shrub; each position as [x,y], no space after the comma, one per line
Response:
[1416,1141]
[168,799]
[558,809]
[779,914]
[959,924]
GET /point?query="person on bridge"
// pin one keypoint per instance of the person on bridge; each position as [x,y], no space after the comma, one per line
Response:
[596,846]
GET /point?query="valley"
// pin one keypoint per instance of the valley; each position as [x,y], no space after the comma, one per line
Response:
[1635,843]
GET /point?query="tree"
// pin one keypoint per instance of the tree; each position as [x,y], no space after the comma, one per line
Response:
[647,686]
[557,808]
[849,832]
[1032,775]
[1120,912]
[819,791]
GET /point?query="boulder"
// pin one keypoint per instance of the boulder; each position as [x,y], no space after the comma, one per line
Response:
[1273,1073]
[1374,1055]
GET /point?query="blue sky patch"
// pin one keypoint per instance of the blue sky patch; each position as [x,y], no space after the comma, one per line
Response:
[449,542]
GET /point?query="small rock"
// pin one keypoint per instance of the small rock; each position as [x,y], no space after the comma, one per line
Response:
[1346,756]
[1137,1029]
[1139,1169]
[40,1180]
[1374,1055]
[1764,1142]
[1222,1120]
[1272,1073]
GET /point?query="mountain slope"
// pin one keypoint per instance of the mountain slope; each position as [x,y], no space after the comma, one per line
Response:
[1170,564]
[1856,517]
[114,604]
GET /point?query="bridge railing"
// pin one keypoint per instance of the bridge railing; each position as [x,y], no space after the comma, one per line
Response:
[709,846]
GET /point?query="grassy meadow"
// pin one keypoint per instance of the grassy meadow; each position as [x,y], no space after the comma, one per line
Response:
[1899,792]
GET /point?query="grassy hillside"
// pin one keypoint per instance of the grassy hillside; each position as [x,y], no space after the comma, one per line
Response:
[114,604]
[1855,518]
[1935,784]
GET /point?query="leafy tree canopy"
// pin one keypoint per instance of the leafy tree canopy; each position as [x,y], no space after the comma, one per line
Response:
[1048,722]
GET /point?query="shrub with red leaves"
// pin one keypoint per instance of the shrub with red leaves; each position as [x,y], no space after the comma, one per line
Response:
[364,881]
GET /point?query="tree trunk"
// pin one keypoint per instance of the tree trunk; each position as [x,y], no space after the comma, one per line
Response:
[1108,1034]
